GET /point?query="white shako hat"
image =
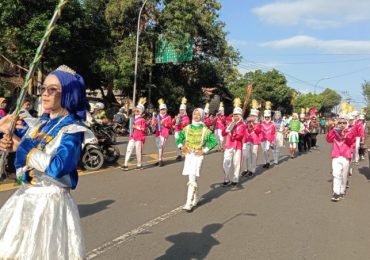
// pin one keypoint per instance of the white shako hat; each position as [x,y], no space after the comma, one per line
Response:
[141,104]
[254,110]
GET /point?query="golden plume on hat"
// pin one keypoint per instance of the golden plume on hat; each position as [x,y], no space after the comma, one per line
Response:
[344,108]
[161,101]
[184,100]
[254,104]
[237,102]
[206,106]
[142,101]
[268,105]
[303,110]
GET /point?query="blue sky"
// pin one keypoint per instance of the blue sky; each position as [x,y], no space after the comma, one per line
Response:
[322,43]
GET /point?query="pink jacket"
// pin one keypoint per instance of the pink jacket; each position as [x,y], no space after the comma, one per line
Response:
[184,121]
[138,134]
[219,122]
[166,124]
[252,133]
[342,142]
[234,140]
[208,121]
[360,129]
[268,131]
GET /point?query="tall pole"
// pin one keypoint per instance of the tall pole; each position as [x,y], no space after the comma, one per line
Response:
[317,82]
[137,53]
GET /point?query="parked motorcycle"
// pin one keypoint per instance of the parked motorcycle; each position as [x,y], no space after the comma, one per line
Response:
[107,142]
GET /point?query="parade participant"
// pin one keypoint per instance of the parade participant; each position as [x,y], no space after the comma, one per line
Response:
[294,128]
[361,133]
[233,156]
[279,139]
[195,140]
[342,140]
[268,134]
[207,119]
[137,135]
[314,128]
[41,220]
[308,136]
[323,125]
[302,133]
[251,141]
[162,124]
[219,126]
[359,126]
[180,121]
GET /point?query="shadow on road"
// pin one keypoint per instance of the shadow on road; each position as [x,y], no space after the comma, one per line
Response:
[365,171]
[192,245]
[90,209]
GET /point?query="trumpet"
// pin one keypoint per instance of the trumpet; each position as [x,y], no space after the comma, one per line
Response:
[230,127]
[178,120]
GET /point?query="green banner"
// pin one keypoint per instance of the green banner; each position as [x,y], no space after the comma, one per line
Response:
[165,51]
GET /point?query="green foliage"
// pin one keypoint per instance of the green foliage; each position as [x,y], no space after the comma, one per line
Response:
[325,102]
[267,86]
[366,93]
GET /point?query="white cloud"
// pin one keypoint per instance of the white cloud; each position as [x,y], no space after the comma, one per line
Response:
[330,46]
[239,43]
[314,13]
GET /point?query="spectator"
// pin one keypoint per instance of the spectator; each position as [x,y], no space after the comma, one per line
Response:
[323,125]
[3,104]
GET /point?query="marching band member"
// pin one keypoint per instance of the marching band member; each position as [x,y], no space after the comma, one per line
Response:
[162,124]
[279,139]
[180,121]
[219,126]
[342,140]
[207,118]
[251,141]
[302,132]
[233,156]
[294,129]
[361,132]
[137,135]
[41,220]
[268,134]
[195,140]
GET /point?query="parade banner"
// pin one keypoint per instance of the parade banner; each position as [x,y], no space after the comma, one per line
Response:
[165,51]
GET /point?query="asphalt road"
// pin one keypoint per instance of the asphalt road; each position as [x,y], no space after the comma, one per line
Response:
[282,213]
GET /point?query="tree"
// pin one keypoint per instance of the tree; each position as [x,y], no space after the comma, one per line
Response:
[330,99]
[267,86]
[366,93]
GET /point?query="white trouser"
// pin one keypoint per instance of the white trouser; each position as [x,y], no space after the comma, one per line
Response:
[278,144]
[179,153]
[340,174]
[138,145]
[219,137]
[250,152]
[265,145]
[232,159]
[357,148]
[160,142]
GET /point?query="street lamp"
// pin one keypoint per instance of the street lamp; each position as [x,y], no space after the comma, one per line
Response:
[137,53]
[317,82]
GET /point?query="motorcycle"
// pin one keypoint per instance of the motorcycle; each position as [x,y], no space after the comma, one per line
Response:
[98,148]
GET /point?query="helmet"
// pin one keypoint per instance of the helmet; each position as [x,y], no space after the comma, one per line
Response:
[99,106]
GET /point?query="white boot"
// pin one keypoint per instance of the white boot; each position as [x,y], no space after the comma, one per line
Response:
[195,200]
[188,205]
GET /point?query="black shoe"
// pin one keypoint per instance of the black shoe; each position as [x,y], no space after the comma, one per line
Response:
[234,183]
[160,163]
[250,174]
[125,168]
[179,158]
[267,165]
[226,183]
[156,164]
[264,166]
[335,197]
[244,173]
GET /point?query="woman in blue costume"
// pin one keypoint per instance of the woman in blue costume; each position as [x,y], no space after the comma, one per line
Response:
[40,220]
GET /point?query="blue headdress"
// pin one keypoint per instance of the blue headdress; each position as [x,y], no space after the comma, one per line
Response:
[73,91]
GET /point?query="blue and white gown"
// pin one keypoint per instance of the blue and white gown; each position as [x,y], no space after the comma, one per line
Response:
[41,220]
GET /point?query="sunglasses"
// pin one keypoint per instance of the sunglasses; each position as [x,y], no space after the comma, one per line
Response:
[52,90]
[342,123]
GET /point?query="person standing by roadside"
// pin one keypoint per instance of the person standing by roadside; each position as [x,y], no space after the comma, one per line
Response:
[323,125]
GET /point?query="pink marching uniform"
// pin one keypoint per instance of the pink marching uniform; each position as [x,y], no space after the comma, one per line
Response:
[251,141]
[342,140]
[233,151]
[268,136]
[137,135]
[180,122]
[208,121]
[219,126]
[162,131]
[360,135]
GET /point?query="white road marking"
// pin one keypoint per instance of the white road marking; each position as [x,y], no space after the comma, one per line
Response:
[131,234]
